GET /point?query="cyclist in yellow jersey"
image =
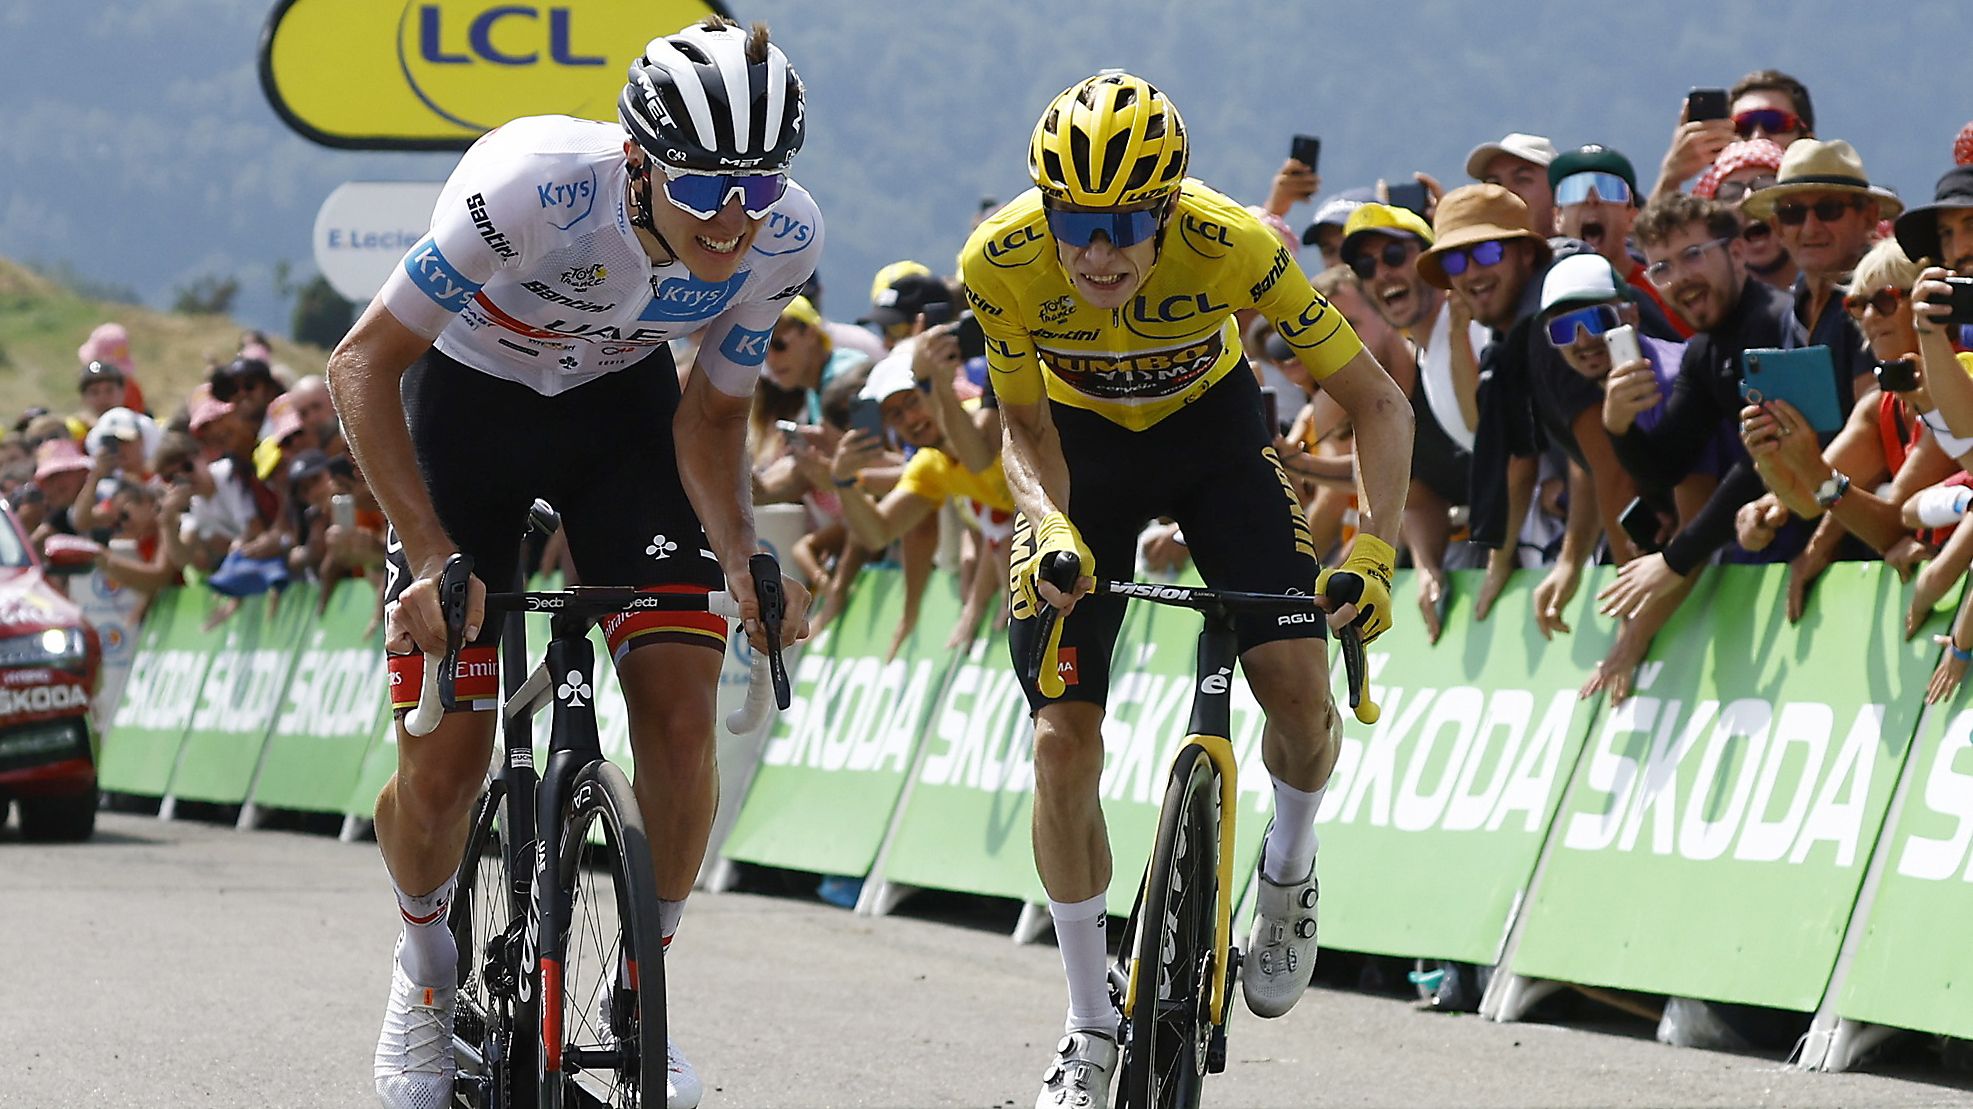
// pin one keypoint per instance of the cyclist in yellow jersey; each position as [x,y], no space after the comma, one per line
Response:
[1107,296]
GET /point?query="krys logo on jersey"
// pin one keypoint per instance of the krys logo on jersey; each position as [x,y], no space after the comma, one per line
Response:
[687,299]
[1745,780]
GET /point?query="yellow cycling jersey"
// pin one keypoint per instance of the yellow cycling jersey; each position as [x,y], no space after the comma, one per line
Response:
[1177,337]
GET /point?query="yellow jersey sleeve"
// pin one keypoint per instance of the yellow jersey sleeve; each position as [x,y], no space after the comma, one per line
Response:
[1275,286]
[991,285]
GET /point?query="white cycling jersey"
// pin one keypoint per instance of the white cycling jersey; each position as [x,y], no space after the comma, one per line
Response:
[532,272]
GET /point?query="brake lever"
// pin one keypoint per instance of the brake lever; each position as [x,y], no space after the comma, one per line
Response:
[766,574]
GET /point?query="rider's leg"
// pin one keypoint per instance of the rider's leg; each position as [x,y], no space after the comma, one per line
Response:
[670,691]
[1298,746]
[422,816]
[1072,852]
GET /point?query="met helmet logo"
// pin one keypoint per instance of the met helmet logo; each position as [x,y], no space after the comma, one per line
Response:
[505,34]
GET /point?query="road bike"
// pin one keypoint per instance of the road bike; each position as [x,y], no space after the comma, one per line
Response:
[561,999]
[1176,965]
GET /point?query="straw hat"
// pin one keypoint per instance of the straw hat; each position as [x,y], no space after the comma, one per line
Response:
[1811,165]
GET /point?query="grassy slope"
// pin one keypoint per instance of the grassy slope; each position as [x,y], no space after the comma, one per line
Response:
[42,323]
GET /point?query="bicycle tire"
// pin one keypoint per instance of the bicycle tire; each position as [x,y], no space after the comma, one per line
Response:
[1168,1029]
[597,1012]
[489,1017]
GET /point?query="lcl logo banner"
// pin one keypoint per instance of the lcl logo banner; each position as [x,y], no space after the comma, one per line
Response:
[437,74]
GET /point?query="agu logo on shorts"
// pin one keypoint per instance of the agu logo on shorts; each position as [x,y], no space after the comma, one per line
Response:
[682,299]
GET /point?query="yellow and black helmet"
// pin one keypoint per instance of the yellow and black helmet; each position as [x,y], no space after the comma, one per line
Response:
[1108,141]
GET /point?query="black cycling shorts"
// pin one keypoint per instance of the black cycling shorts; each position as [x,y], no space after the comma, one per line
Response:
[1211,467]
[601,453]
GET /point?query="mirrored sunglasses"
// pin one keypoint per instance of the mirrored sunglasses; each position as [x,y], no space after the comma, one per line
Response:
[704,194]
[1593,318]
[1128,228]
[1488,253]
[1608,187]
[1774,121]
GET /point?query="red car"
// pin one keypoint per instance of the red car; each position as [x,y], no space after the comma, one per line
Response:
[48,661]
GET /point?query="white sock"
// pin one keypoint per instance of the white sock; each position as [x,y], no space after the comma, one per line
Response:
[1291,844]
[428,954]
[669,914]
[1085,944]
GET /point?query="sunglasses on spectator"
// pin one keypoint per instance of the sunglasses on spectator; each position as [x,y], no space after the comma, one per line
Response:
[1577,187]
[1772,120]
[1593,318]
[1662,271]
[1488,253]
[1885,300]
[1730,191]
[1393,254]
[1756,231]
[1828,210]
[704,194]
[1125,228]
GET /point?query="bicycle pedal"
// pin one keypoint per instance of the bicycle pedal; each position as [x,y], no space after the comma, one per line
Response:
[1216,1050]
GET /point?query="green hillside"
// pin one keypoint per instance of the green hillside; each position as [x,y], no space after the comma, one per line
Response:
[42,322]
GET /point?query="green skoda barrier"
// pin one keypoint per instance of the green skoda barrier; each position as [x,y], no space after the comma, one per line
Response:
[1719,823]
[836,761]
[1435,816]
[241,695]
[1912,969]
[328,714]
[173,652]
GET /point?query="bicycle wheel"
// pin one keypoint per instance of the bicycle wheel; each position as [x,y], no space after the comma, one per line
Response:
[1169,1026]
[605,1033]
[496,1067]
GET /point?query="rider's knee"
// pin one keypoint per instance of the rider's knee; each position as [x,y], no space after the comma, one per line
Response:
[1068,750]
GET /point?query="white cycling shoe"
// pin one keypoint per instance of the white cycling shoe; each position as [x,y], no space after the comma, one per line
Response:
[1281,947]
[414,1067]
[1079,1078]
[683,1090]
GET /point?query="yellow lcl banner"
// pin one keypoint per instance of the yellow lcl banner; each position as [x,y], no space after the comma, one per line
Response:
[437,74]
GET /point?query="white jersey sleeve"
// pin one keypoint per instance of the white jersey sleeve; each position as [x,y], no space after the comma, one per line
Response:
[480,226]
[785,252]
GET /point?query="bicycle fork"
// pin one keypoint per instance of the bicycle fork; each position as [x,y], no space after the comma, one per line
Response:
[572,746]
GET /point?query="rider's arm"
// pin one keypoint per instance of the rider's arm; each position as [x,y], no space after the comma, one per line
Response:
[364,374]
[1383,422]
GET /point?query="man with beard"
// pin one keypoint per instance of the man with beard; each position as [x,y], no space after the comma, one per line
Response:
[1824,209]
[1430,351]
[1741,169]
[1596,203]
[1693,252]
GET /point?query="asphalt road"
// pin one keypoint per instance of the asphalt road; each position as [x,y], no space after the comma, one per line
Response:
[186,964]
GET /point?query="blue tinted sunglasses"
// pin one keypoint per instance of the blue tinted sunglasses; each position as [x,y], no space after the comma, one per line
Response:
[1575,188]
[1078,229]
[1488,253]
[704,194]
[1595,319]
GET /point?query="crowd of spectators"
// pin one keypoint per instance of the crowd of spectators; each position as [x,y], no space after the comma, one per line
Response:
[245,484]
[1491,304]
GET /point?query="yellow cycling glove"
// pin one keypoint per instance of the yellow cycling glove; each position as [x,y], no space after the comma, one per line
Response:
[1031,544]
[1370,562]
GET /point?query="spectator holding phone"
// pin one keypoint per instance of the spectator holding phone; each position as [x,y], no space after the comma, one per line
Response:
[1766,104]
[1825,211]
[1940,237]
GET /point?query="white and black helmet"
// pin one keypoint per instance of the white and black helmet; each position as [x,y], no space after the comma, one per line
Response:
[715,97]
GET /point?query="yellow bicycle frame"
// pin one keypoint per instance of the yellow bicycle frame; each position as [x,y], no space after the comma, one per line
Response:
[1219,750]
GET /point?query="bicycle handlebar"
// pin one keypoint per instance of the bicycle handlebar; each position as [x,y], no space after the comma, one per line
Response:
[770,673]
[1061,569]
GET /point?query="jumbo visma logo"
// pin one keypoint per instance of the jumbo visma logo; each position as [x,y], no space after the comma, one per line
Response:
[439,73]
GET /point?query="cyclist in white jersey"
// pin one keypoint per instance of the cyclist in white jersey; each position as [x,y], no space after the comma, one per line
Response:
[521,351]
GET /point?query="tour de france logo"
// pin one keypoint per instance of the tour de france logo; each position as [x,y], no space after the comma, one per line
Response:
[1057,311]
[584,278]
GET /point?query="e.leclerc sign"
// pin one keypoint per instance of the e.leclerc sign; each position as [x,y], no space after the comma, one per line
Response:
[437,74]
[365,227]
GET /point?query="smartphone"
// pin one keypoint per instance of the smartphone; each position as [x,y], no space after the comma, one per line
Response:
[1900,375]
[1962,300]
[1640,522]
[938,312]
[1271,409]
[1804,377]
[1705,104]
[1409,194]
[972,340]
[1622,341]
[867,415]
[790,430]
[342,510]
[1306,149]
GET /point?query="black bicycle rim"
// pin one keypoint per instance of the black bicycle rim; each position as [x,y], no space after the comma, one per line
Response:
[1168,1026]
[488,1008]
[612,1003]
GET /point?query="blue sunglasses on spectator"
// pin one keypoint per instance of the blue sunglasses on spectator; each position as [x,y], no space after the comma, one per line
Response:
[1594,318]
[1575,188]
[704,194]
[1488,253]
[1078,229]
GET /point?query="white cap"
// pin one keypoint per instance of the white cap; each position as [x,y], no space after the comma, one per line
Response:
[122,423]
[891,376]
[1528,148]
[1585,278]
